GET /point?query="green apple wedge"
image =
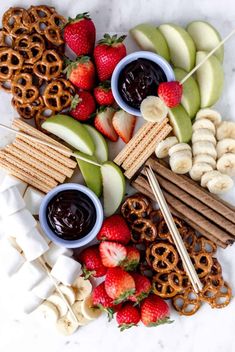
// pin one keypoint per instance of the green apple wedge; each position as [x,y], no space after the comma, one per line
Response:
[71,131]
[181,123]
[210,77]
[205,37]
[191,96]
[181,45]
[91,173]
[113,187]
[101,146]
[148,37]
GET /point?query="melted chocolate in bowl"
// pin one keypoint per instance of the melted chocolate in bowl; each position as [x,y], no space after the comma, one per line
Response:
[139,79]
[71,215]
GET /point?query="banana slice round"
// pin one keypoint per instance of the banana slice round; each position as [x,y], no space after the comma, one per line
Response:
[220,184]
[163,147]
[204,123]
[204,148]
[68,293]
[153,109]
[198,170]
[181,162]
[48,311]
[179,147]
[210,114]
[205,158]
[82,288]
[225,130]
[77,309]
[59,303]
[203,134]
[209,176]
[226,164]
[226,145]
[88,310]
[66,325]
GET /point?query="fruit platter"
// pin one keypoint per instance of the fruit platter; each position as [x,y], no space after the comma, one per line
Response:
[117,171]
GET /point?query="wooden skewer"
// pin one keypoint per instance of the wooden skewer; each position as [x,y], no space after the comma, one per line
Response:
[188,265]
[37,140]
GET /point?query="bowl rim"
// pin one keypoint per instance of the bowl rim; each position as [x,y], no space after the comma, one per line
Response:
[51,235]
[167,68]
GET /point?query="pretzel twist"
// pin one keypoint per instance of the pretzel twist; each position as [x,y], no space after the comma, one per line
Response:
[143,230]
[23,89]
[58,95]
[31,47]
[10,61]
[187,302]
[162,286]
[50,65]
[16,21]
[165,257]
[136,207]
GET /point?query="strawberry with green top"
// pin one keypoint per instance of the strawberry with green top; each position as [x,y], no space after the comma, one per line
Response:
[103,94]
[81,72]
[83,106]
[115,229]
[154,311]
[91,262]
[119,285]
[79,34]
[101,300]
[103,122]
[112,253]
[128,316]
[132,259]
[142,287]
[107,54]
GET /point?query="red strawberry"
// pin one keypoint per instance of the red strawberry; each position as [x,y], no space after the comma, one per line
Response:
[83,106]
[103,94]
[124,125]
[170,93]
[92,264]
[101,299]
[103,123]
[154,311]
[142,287]
[79,34]
[127,316]
[81,72]
[107,54]
[119,285]
[115,229]
[132,259]
[112,253]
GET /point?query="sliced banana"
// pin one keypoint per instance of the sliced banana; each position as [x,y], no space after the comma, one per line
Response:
[48,311]
[220,184]
[88,310]
[226,164]
[163,147]
[66,325]
[205,158]
[226,130]
[203,134]
[226,145]
[203,123]
[181,162]
[153,109]
[68,293]
[179,147]
[82,288]
[204,148]
[59,303]
[198,170]
[77,309]
[210,114]
[209,176]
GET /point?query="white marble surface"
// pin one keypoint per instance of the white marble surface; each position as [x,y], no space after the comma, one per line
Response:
[209,330]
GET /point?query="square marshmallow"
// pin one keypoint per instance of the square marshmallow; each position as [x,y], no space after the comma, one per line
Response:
[9,181]
[44,289]
[11,201]
[32,244]
[19,223]
[30,302]
[33,199]
[54,252]
[30,274]
[66,270]
[10,258]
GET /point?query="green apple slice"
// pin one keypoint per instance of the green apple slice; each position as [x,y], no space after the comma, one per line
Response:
[101,146]
[181,45]
[191,96]
[181,123]
[150,38]
[210,77]
[91,173]
[113,187]
[205,37]
[71,131]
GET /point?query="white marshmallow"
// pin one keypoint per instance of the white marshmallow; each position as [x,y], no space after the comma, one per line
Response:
[54,252]
[44,289]
[2,232]
[30,274]
[10,259]
[9,181]
[14,244]
[32,244]
[11,201]
[19,224]
[30,302]
[33,199]
[66,270]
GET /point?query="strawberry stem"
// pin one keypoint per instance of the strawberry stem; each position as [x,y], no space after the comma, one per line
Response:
[111,40]
[123,327]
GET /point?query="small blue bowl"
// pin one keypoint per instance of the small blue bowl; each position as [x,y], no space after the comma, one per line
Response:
[50,233]
[159,60]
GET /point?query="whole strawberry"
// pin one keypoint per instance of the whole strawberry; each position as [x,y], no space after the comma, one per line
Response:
[154,311]
[79,34]
[119,285]
[115,228]
[81,72]
[103,94]
[170,93]
[107,54]
[83,106]
[127,316]
[112,253]
[92,264]
[142,287]
[103,122]
[132,258]
[102,300]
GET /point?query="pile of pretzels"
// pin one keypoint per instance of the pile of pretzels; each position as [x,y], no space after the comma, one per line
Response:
[161,261]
